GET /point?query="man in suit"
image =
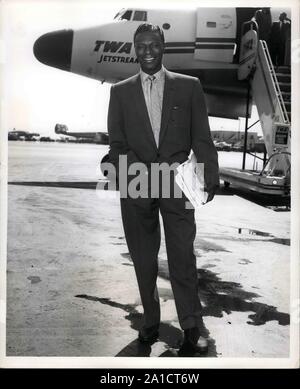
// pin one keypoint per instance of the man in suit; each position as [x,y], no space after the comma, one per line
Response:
[157,117]
[279,36]
[263,19]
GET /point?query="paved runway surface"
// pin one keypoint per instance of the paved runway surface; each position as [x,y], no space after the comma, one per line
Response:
[71,288]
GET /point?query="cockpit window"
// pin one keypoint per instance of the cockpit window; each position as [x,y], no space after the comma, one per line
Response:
[123,15]
[140,16]
[127,15]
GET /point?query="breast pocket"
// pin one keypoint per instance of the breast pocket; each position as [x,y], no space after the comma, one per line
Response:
[179,115]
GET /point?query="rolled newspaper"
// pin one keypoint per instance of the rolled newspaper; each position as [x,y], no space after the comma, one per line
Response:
[190,179]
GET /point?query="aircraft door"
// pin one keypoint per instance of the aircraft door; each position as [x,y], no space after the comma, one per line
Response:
[215,34]
[248,49]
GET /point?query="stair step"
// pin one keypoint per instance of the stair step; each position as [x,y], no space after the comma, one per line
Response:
[283,77]
[287,105]
[286,96]
[283,69]
[285,86]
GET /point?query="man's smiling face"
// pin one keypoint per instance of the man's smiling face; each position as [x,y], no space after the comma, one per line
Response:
[149,49]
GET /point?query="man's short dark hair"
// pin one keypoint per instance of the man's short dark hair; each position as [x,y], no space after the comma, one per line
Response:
[148,27]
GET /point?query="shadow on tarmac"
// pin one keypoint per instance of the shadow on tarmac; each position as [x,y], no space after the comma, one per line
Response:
[222,296]
[168,334]
[218,296]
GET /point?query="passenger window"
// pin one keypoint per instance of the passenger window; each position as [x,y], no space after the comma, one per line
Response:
[211,24]
[140,16]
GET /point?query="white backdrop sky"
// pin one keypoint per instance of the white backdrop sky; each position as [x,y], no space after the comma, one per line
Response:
[38,96]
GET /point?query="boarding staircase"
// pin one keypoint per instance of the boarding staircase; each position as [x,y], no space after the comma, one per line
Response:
[283,75]
[270,89]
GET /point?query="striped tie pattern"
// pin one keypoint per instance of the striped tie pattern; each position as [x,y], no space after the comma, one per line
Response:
[155,107]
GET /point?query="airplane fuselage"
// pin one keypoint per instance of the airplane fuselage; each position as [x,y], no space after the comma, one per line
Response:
[202,42]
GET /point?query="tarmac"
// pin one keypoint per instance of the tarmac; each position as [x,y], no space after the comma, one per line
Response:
[71,287]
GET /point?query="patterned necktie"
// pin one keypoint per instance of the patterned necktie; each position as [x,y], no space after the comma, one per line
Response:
[155,107]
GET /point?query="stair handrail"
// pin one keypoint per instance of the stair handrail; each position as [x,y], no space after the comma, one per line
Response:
[250,25]
[272,156]
[253,26]
[275,81]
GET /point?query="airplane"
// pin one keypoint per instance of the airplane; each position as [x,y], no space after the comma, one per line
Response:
[96,137]
[220,46]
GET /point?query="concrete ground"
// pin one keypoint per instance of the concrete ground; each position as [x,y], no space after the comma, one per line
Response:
[71,288]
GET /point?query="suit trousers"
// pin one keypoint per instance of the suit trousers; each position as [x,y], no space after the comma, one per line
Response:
[142,232]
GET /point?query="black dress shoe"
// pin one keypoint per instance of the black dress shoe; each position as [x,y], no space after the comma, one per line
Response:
[149,334]
[194,342]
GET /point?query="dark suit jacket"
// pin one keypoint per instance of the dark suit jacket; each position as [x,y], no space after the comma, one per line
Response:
[184,125]
[279,35]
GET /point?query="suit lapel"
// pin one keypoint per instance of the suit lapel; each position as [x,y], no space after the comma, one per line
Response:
[167,104]
[141,107]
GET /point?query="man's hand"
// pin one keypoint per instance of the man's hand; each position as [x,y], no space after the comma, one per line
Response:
[211,190]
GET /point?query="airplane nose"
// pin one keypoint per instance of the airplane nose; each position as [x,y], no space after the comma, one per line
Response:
[55,49]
